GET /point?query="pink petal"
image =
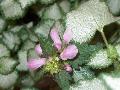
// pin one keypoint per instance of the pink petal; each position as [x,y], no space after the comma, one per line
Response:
[34,64]
[55,37]
[67,36]
[69,53]
[68,68]
[38,49]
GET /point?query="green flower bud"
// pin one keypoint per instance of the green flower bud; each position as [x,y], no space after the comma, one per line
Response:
[112,52]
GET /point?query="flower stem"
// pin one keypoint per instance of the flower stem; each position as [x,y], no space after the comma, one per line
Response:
[104,38]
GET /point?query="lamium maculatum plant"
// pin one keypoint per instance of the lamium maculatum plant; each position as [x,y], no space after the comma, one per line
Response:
[62,54]
[59,44]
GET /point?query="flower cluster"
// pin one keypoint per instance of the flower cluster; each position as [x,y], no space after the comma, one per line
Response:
[65,51]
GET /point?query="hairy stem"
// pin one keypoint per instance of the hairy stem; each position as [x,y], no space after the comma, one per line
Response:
[104,38]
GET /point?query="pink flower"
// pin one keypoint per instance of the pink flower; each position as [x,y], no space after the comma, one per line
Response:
[68,68]
[67,36]
[38,49]
[34,64]
[55,37]
[69,53]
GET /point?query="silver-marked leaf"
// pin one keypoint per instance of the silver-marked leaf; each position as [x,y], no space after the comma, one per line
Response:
[11,9]
[7,81]
[111,80]
[22,55]
[26,3]
[4,51]
[100,60]
[11,40]
[65,6]
[7,65]
[114,6]
[90,16]
[52,12]
[2,24]
[94,84]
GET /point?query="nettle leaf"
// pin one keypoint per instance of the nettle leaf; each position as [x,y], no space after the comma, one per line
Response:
[82,74]
[46,1]
[94,84]
[11,9]
[2,24]
[22,33]
[26,3]
[85,51]
[61,28]
[90,16]
[63,79]
[52,12]
[100,60]
[27,81]
[11,40]
[4,51]
[38,75]
[44,28]
[32,54]
[114,6]
[47,45]
[111,80]
[16,28]
[65,6]
[28,44]
[7,65]
[22,55]
[33,37]
[7,81]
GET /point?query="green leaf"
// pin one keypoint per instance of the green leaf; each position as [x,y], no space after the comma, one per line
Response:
[23,33]
[27,81]
[46,1]
[26,3]
[47,45]
[94,84]
[28,44]
[2,24]
[82,74]
[11,9]
[111,80]
[91,16]
[32,54]
[38,75]
[63,80]
[7,65]
[44,28]
[100,60]
[33,37]
[16,29]
[7,81]
[52,12]
[65,6]
[85,51]
[61,28]
[22,56]
[114,6]
[4,51]
[11,40]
